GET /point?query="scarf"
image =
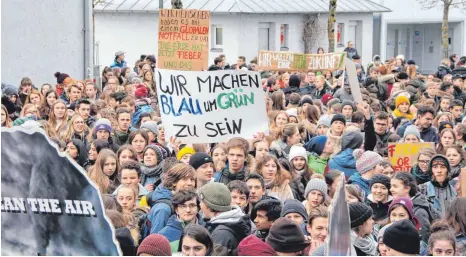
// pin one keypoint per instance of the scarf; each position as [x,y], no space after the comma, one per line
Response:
[366,244]
[236,176]
[398,114]
[419,174]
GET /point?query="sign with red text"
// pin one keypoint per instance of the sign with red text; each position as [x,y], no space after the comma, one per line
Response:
[403,156]
[285,61]
[183,39]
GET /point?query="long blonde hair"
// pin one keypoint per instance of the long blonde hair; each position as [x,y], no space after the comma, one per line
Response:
[70,132]
[52,122]
[97,175]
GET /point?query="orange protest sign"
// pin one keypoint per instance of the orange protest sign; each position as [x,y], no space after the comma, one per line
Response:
[183,39]
[286,61]
[403,156]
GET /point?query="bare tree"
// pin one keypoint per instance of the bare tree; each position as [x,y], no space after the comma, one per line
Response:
[447,4]
[331,25]
[177,4]
[312,31]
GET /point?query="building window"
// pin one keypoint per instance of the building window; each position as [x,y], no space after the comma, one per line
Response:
[284,32]
[217,37]
[341,34]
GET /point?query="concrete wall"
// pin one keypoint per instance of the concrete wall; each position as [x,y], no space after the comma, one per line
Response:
[40,38]
[136,33]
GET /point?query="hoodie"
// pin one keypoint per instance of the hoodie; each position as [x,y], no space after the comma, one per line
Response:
[228,229]
[151,176]
[173,230]
[160,212]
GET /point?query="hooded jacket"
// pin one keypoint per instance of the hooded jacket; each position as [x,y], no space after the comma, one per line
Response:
[160,212]
[361,183]
[379,209]
[173,230]
[151,176]
[421,210]
[228,229]
[442,70]
[427,135]
[344,161]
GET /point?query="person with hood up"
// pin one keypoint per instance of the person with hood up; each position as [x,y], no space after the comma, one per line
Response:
[320,150]
[151,168]
[440,191]
[218,64]
[294,84]
[227,224]
[424,119]
[379,199]
[76,149]
[253,246]
[401,238]
[287,238]
[345,161]
[367,165]
[142,103]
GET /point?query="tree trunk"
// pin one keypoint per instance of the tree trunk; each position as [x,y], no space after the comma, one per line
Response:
[446,9]
[331,25]
[177,4]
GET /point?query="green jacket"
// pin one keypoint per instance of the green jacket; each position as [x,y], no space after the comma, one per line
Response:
[316,163]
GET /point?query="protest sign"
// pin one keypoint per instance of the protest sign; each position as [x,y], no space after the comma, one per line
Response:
[49,206]
[403,155]
[183,39]
[285,61]
[210,107]
[350,69]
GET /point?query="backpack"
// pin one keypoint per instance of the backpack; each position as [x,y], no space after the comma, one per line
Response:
[144,223]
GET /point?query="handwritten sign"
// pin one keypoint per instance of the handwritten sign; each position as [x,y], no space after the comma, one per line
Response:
[285,61]
[183,39]
[403,155]
[210,107]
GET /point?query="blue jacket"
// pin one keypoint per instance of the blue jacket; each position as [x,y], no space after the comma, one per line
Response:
[139,110]
[427,135]
[361,183]
[173,230]
[118,64]
[160,212]
[345,162]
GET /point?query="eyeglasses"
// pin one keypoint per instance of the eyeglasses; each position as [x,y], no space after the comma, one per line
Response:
[190,206]
[79,122]
[423,162]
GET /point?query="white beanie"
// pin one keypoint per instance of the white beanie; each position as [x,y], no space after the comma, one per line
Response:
[292,112]
[296,151]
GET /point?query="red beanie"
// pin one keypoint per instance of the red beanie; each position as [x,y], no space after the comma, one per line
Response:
[141,91]
[253,246]
[155,245]
[326,98]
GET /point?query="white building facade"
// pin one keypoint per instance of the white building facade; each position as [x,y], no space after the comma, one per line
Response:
[238,28]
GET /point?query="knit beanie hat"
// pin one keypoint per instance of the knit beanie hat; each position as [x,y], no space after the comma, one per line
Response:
[339,117]
[103,124]
[293,206]
[325,98]
[366,161]
[403,75]
[306,100]
[157,150]
[412,130]
[359,213]
[61,77]
[332,102]
[151,126]
[253,246]
[352,140]
[401,99]
[380,179]
[316,145]
[155,245]
[141,92]
[403,237]
[297,151]
[199,159]
[348,102]
[324,121]
[406,202]
[286,236]
[316,184]
[216,196]
[183,151]
[293,112]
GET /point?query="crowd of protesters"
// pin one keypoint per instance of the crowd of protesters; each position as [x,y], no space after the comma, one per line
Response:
[268,195]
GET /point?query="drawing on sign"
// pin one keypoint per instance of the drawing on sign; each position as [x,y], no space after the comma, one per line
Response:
[403,155]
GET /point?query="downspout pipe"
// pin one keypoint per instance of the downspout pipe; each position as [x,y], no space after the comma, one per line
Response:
[88,40]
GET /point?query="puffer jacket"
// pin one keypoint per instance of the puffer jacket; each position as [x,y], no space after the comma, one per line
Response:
[316,163]
[345,162]
[160,212]
[442,70]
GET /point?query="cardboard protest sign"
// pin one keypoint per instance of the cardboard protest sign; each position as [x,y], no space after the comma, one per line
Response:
[183,39]
[49,206]
[350,68]
[210,107]
[403,155]
[286,61]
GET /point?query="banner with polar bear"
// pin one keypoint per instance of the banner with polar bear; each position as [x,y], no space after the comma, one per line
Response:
[210,107]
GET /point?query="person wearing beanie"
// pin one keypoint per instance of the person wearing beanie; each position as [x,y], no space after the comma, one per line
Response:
[379,199]
[443,125]
[253,246]
[185,153]
[154,245]
[152,130]
[440,190]
[300,171]
[295,211]
[305,101]
[227,224]
[102,129]
[347,109]
[326,98]
[204,166]
[412,135]
[264,214]
[151,169]
[345,161]
[368,165]
[294,83]
[402,105]
[320,150]
[323,125]
[315,194]
[361,229]
[402,238]
[286,238]
[141,103]
[335,133]
[402,208]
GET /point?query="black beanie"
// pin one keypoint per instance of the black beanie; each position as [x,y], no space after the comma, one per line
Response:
[285,236]
[359,213]
[293,206]
[339,117]
[403,237]
[306,100]
[294,81]
[199,159]
[403,75]
[381,179]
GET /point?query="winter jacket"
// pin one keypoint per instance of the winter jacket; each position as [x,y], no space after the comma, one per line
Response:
[307,90]
[461,244]
[160,212]
[459,94]
[120,138]
[317,94]
[385,84]
[350,52]
[298,186]
[173,230]
[442,70]
[116,64]
[342,94]
[345,162]
[214,67]
[439,195]
[422,211]
[420,176]
[226,177]
[379,209]
[280,149]
[361,183]
[151,176]
[141,106]
[316,163]
[459,71]
[228,229]
[427,135]
[127,245]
